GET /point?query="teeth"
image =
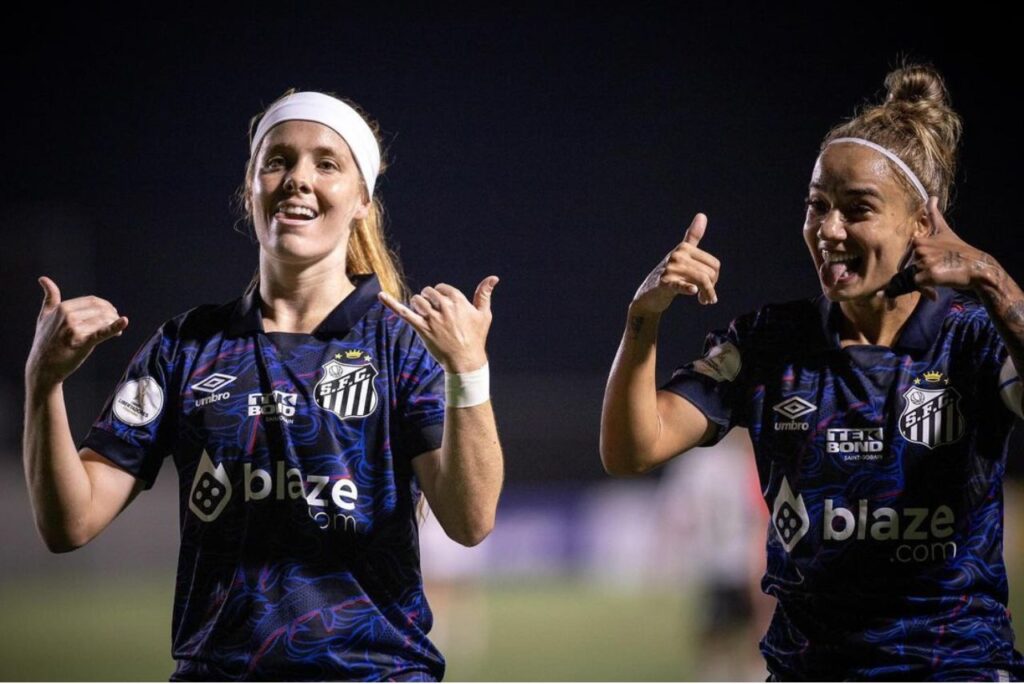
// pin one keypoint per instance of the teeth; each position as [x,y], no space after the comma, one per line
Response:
[835,257]
[293,210]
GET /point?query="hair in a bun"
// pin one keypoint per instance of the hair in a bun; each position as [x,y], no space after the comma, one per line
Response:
[918,124]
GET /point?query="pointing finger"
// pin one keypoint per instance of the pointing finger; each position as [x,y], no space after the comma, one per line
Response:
[113,329]
[696,230]
[401,310]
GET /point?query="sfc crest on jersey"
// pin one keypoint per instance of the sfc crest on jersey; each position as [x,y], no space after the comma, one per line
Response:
[346,388]
[931,413]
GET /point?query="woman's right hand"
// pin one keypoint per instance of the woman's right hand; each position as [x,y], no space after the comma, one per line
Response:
[686,270]
[67,332]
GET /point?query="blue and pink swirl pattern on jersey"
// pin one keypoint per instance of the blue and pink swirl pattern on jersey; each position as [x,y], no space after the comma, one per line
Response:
[882,471]
[299,543]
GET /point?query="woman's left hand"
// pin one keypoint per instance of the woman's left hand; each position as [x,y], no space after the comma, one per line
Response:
[943,259]
[453,328]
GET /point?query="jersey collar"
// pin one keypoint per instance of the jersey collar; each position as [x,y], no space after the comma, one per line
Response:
[247,316]
[918,333]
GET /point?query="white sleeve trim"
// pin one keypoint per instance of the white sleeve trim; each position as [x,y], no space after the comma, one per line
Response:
[1010,387]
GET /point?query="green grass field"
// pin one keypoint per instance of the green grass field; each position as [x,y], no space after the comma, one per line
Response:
[68,629]
[85,630]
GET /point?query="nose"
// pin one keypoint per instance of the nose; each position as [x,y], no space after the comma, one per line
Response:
[832,226]
[297,179]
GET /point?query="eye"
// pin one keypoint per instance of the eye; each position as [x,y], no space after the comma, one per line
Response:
[859,210]
[329,164]
[273,163]
[815,205]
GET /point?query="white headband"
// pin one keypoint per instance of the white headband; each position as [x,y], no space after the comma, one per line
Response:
[336,115]
[892,157]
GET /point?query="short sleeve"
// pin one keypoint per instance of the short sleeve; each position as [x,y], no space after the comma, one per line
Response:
[420,395]
[716,382]
[135,429]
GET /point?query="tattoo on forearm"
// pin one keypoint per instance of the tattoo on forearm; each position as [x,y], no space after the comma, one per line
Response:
[983,262]
[1005,303]
[636,324]
[1009,320]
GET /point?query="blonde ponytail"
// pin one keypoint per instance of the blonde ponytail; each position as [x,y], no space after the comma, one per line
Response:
[368,252]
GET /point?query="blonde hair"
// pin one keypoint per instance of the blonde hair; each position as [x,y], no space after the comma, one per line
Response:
[916,122]
[368,250]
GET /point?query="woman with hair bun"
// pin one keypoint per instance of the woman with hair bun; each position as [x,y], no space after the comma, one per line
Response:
[305,419]
[879,411]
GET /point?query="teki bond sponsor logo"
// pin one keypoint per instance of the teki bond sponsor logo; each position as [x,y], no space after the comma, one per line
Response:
[793,408]
[275,405]
[922,535]
[855,444]
[330,500]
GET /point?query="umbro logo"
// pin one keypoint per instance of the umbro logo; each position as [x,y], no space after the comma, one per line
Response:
[209,386]
[793,408]
[213,382]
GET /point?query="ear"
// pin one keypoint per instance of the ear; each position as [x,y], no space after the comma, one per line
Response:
[362,210]
[922,225]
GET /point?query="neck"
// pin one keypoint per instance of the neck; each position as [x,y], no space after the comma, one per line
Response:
[875,320]
[298,300]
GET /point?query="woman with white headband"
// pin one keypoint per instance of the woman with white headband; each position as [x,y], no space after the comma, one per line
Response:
[879,411]
[305,419]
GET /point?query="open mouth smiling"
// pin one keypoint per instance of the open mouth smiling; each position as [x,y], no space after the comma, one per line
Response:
[293,212]
[839,267]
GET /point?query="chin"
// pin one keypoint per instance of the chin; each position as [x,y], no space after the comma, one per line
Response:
[859,294]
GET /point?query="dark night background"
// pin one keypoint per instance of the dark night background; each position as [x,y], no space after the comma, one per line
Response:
[562,149]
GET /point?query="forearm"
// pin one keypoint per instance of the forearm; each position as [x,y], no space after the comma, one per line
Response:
[630,424]
[59,487]
[470,473]
[1005,303]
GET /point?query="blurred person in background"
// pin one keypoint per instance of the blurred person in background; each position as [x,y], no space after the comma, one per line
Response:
[879,412]
[305,420]
[452,577]
[714,535]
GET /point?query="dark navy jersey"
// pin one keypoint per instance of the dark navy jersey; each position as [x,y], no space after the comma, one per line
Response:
[882,470]
[299,544]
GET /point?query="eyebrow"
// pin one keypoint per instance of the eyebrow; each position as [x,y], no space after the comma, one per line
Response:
[860,192]
[321,149]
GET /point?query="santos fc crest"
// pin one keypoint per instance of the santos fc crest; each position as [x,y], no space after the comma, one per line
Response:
[346,388]
[931,415]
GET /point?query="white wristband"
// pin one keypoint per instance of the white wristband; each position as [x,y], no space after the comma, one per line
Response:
[467,389]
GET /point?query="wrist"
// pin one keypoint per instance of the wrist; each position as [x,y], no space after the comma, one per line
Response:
[38,382]
[986,276]
[465,364]
[635,310]
[38,389]
[642,324]
[462,390]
